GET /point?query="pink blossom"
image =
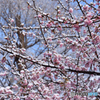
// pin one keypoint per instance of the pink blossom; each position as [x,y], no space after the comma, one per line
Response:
[85,55]
[22,72]
[49,38]
[1,90]
[84,31]
[59,57]
[65,21]
[70,41]
[61,67]
[98,46]
[68,84]
[82,39]
[66,39]
[88,22]
[45,91]
[79,48]
[59,11]
[49,25]
[45,54]
[47,98]
[70,10]
[30,34]
[17,98]
[21,90]
[59,41]
[34,78]
[97,3]
[77,97]
[3,74]
[40,16]
[61,44]
[63,18]
[16,78]
[15,86]
[50,54]
[31,96]
[96,40]
[56,97]
[93,49]
[56,61]
[87,64]
[67,1]
[89,15]
[73,47]
[28,98]
[77,28]
[25,82]
[86,7]
[11,20]
[81,19]
[92,3]
[98,9]
[95,68]
[9,91]
[83,69]
[86,38]
[34,35]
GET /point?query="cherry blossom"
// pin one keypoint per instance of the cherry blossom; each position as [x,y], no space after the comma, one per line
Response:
[70,10]
[49,49]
